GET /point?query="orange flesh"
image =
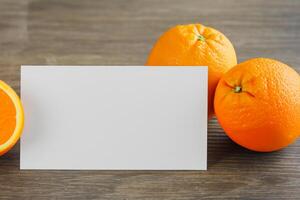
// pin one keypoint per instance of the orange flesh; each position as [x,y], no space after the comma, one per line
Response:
[7,117]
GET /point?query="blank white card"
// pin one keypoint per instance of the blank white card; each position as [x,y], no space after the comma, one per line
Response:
[114,118]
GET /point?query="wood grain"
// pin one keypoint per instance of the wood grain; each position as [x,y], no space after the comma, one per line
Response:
[111,32]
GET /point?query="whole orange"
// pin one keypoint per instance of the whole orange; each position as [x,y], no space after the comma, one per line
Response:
[195,45]
[257,103]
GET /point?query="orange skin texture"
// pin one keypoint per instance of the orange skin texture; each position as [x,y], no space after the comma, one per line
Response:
[11,118]
[195,45]
[264,115]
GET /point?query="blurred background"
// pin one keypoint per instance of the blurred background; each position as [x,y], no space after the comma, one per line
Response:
[116,32]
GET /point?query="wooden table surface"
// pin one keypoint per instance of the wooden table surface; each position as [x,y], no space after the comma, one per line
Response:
[111,32]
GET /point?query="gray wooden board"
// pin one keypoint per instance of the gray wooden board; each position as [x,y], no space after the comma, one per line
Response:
[111,32]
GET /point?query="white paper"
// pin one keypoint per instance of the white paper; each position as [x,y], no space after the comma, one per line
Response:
[114,118]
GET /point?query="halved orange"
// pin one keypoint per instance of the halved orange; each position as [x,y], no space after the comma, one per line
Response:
[11,118]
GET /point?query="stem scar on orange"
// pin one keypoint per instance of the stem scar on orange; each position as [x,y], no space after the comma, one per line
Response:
[11,118]
[257,103]
[195,45]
